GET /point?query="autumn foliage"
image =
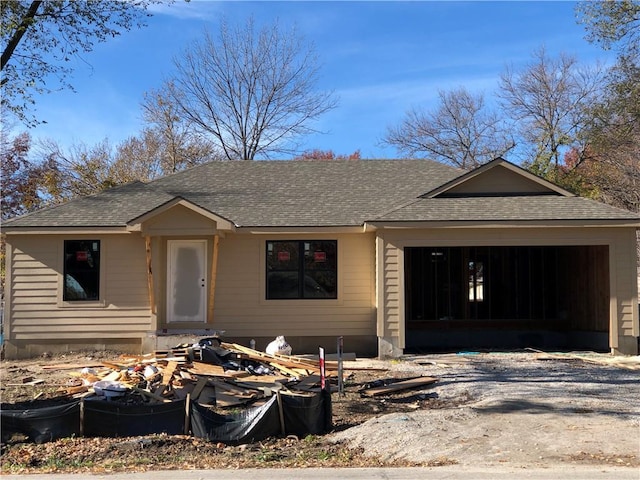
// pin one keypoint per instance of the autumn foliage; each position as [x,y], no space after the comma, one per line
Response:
[317,154]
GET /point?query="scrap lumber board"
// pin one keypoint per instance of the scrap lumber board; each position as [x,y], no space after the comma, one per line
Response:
[117,366]
[73,390]
[263,380]
[167,372]
[403,385]
[200,368]
[285,369]
[29,383]
[292,361]
[229,395]
[202,382]
[224,399]
[71,366]
[113,376]
[285,360]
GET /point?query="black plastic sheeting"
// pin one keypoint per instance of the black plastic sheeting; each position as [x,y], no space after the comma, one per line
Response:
[42,425]
[305,415]
[113,419]
[302,415]
[251,425]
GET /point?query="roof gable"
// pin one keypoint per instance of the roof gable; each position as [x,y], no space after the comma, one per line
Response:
[178,216]
[497,178]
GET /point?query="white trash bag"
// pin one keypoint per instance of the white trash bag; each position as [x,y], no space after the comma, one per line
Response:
[279,347]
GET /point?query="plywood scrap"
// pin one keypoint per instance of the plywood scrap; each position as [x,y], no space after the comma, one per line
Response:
[258,382]
[228,395]
[225,399]
[234,389]
[402,385]
[200,368]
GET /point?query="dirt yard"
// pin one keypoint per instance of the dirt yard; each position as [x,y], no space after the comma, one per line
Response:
[521,409]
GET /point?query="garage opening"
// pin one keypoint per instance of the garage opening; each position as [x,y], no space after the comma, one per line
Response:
[507,297]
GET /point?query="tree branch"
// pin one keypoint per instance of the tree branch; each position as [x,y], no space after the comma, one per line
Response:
[27,21]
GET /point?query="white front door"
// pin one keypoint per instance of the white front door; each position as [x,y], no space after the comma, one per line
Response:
[187,281]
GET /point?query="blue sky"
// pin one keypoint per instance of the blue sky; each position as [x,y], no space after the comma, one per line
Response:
[380,59]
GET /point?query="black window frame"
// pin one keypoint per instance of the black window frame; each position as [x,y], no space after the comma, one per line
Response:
[81,270]
[305,271]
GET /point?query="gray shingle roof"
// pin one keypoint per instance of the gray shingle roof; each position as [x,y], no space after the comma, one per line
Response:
[111,208]
[511,208]
[311,193]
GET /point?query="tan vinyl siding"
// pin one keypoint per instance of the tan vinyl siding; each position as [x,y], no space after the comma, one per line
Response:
[179,221]
[242,310]
[391,295]
[37,312]
[627,292]
[499,179]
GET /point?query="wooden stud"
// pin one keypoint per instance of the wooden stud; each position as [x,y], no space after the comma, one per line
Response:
[152,302]
[214,277]
[281,413]
[187,414]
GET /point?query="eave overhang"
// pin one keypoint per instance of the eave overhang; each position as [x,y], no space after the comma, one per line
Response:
[575,223]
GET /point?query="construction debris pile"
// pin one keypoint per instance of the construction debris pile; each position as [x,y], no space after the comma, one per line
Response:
[184,390]
[211,373]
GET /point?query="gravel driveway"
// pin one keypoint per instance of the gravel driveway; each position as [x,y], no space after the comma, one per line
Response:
[517,409]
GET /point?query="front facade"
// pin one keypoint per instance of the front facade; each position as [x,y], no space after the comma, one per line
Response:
[393,256]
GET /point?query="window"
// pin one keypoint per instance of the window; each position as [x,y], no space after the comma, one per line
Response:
[302,269]
[81,278]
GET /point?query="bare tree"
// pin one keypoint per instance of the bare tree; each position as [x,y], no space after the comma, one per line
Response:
[548,102]
[177,142]
[253,92]
[461,131]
